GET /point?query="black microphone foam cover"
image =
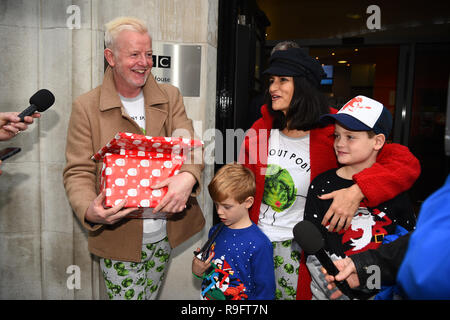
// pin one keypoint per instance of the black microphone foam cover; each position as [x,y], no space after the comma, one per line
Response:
[43,99]
[308,237]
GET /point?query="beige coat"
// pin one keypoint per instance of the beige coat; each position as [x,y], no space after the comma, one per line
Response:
[96,117]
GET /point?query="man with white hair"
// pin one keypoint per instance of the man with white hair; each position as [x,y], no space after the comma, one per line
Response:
[134,252]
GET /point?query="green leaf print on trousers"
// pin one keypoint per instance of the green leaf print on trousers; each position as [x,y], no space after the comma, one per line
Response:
[279,188]
[120,268]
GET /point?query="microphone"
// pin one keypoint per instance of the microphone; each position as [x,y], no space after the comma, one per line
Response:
[204,251]
[311,241]
[40,101]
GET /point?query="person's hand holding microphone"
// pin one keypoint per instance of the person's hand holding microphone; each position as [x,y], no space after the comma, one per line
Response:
[12,123]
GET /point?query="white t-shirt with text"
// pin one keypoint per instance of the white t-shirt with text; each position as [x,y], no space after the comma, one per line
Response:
[154,229]
[286,185]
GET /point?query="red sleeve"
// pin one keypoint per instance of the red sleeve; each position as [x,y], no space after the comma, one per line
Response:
[254,147]
[395,171]
[243,157]
[247,154]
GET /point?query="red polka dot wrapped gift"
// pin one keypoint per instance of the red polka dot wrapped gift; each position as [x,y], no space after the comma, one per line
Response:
[132,163]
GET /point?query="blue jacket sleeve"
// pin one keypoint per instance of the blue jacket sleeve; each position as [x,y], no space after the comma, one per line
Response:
[263,272]
[424,271]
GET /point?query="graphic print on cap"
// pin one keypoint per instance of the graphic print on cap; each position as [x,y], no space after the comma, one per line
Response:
[364,109]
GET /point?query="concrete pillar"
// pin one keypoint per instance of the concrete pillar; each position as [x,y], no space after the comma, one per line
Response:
[39,236]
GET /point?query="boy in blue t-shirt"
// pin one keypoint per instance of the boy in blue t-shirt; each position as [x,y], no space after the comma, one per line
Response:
[240,263]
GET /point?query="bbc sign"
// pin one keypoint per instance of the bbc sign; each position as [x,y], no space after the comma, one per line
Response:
[161,61]
[178,65]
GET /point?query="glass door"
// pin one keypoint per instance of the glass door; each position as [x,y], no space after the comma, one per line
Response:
[412,81]
[371,71]
[428,117]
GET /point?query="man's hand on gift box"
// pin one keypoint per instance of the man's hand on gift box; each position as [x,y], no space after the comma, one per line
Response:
[179,188]
[96,213]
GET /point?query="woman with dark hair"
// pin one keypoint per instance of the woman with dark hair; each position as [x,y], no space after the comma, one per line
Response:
[287,148]
[306,106]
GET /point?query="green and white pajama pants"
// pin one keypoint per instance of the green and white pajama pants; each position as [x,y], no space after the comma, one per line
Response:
[286,258]
[137,281]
